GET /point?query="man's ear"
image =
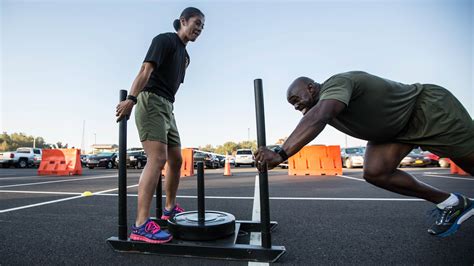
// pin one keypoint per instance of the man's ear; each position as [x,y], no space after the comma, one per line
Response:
[311,88]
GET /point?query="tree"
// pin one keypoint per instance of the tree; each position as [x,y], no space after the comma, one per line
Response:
[16,140]
[248,145]
[207,148]
[281,141]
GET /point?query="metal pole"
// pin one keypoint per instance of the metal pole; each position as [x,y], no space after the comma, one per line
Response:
[263,173]
[200,186]
[122,174]
[159,202]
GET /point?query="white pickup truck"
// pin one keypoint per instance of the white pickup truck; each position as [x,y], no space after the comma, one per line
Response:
[23,157]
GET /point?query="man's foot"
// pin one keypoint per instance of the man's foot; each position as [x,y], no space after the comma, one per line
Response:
[150,232]
[170,213]
[450,218]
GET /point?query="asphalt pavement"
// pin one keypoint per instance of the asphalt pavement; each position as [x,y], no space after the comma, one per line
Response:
[322,219]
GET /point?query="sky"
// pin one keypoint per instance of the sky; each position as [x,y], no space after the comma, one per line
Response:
[64,62]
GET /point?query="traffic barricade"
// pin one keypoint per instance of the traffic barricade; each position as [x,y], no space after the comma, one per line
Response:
[187,166]
[454,169]
[60,162]
[313,155]
[296,164]
[334,153]
[316,160]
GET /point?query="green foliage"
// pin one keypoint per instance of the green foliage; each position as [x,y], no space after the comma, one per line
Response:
[16,140]
[207,148]
[230,147]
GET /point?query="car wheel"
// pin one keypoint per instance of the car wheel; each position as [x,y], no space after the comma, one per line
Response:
[139,165]
[23,163]
[91,167]
[443,163]
[348,163]
[109,165]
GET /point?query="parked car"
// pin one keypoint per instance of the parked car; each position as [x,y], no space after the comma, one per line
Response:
[221,160]
[104,159]
[136,159]
[209,159]
[352,157]
[84,158]
[22,157]
[244,157]
[415,158]
[436,160]
[283,165]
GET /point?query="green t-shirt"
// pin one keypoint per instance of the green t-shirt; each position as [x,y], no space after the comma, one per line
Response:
[377,109]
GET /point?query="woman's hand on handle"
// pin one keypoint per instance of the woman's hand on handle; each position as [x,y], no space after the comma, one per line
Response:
[124,109]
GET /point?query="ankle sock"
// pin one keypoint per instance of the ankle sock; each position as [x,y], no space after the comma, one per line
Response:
[450,201]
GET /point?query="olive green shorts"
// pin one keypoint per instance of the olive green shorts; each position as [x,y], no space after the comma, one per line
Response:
[440,124]
[155,119]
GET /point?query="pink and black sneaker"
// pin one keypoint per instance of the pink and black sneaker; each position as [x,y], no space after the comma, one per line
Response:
[170,213]
[150,232]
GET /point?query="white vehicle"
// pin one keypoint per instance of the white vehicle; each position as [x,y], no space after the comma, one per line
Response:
[244,156]
[23,157]
[352,157]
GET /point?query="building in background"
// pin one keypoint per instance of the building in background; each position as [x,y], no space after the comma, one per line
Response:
[98,148]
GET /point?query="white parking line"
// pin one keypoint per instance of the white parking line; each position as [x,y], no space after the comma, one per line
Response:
[352,178]
[255,237]
[285,198]
[59,200]
[451,177]
[59,181]
[103,193]
[40,192]
[40,204]
[10,177]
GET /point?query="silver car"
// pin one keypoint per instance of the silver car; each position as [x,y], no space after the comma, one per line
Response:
[352,157]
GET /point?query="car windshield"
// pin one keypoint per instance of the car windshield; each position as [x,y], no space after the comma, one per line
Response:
[354,150]
[244,152]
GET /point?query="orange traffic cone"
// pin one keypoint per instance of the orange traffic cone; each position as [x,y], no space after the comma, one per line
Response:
[227,168]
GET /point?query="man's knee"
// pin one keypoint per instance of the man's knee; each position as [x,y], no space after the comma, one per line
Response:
[375,174]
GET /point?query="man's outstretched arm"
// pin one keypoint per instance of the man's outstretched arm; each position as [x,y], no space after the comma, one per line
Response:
[307,129]
[312,124]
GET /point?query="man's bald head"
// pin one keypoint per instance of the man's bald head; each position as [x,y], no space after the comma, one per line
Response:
[303,94]
[298,84]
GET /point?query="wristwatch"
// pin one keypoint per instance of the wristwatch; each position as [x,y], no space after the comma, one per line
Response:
[132,98]
[282,153]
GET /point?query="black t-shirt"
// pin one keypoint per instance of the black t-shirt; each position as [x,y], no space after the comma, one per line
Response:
[168,53]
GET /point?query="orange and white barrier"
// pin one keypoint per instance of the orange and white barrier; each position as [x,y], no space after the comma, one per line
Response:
[316,160]
[187,167]
[60,162]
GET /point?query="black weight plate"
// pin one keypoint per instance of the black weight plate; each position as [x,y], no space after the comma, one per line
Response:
[216,225]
